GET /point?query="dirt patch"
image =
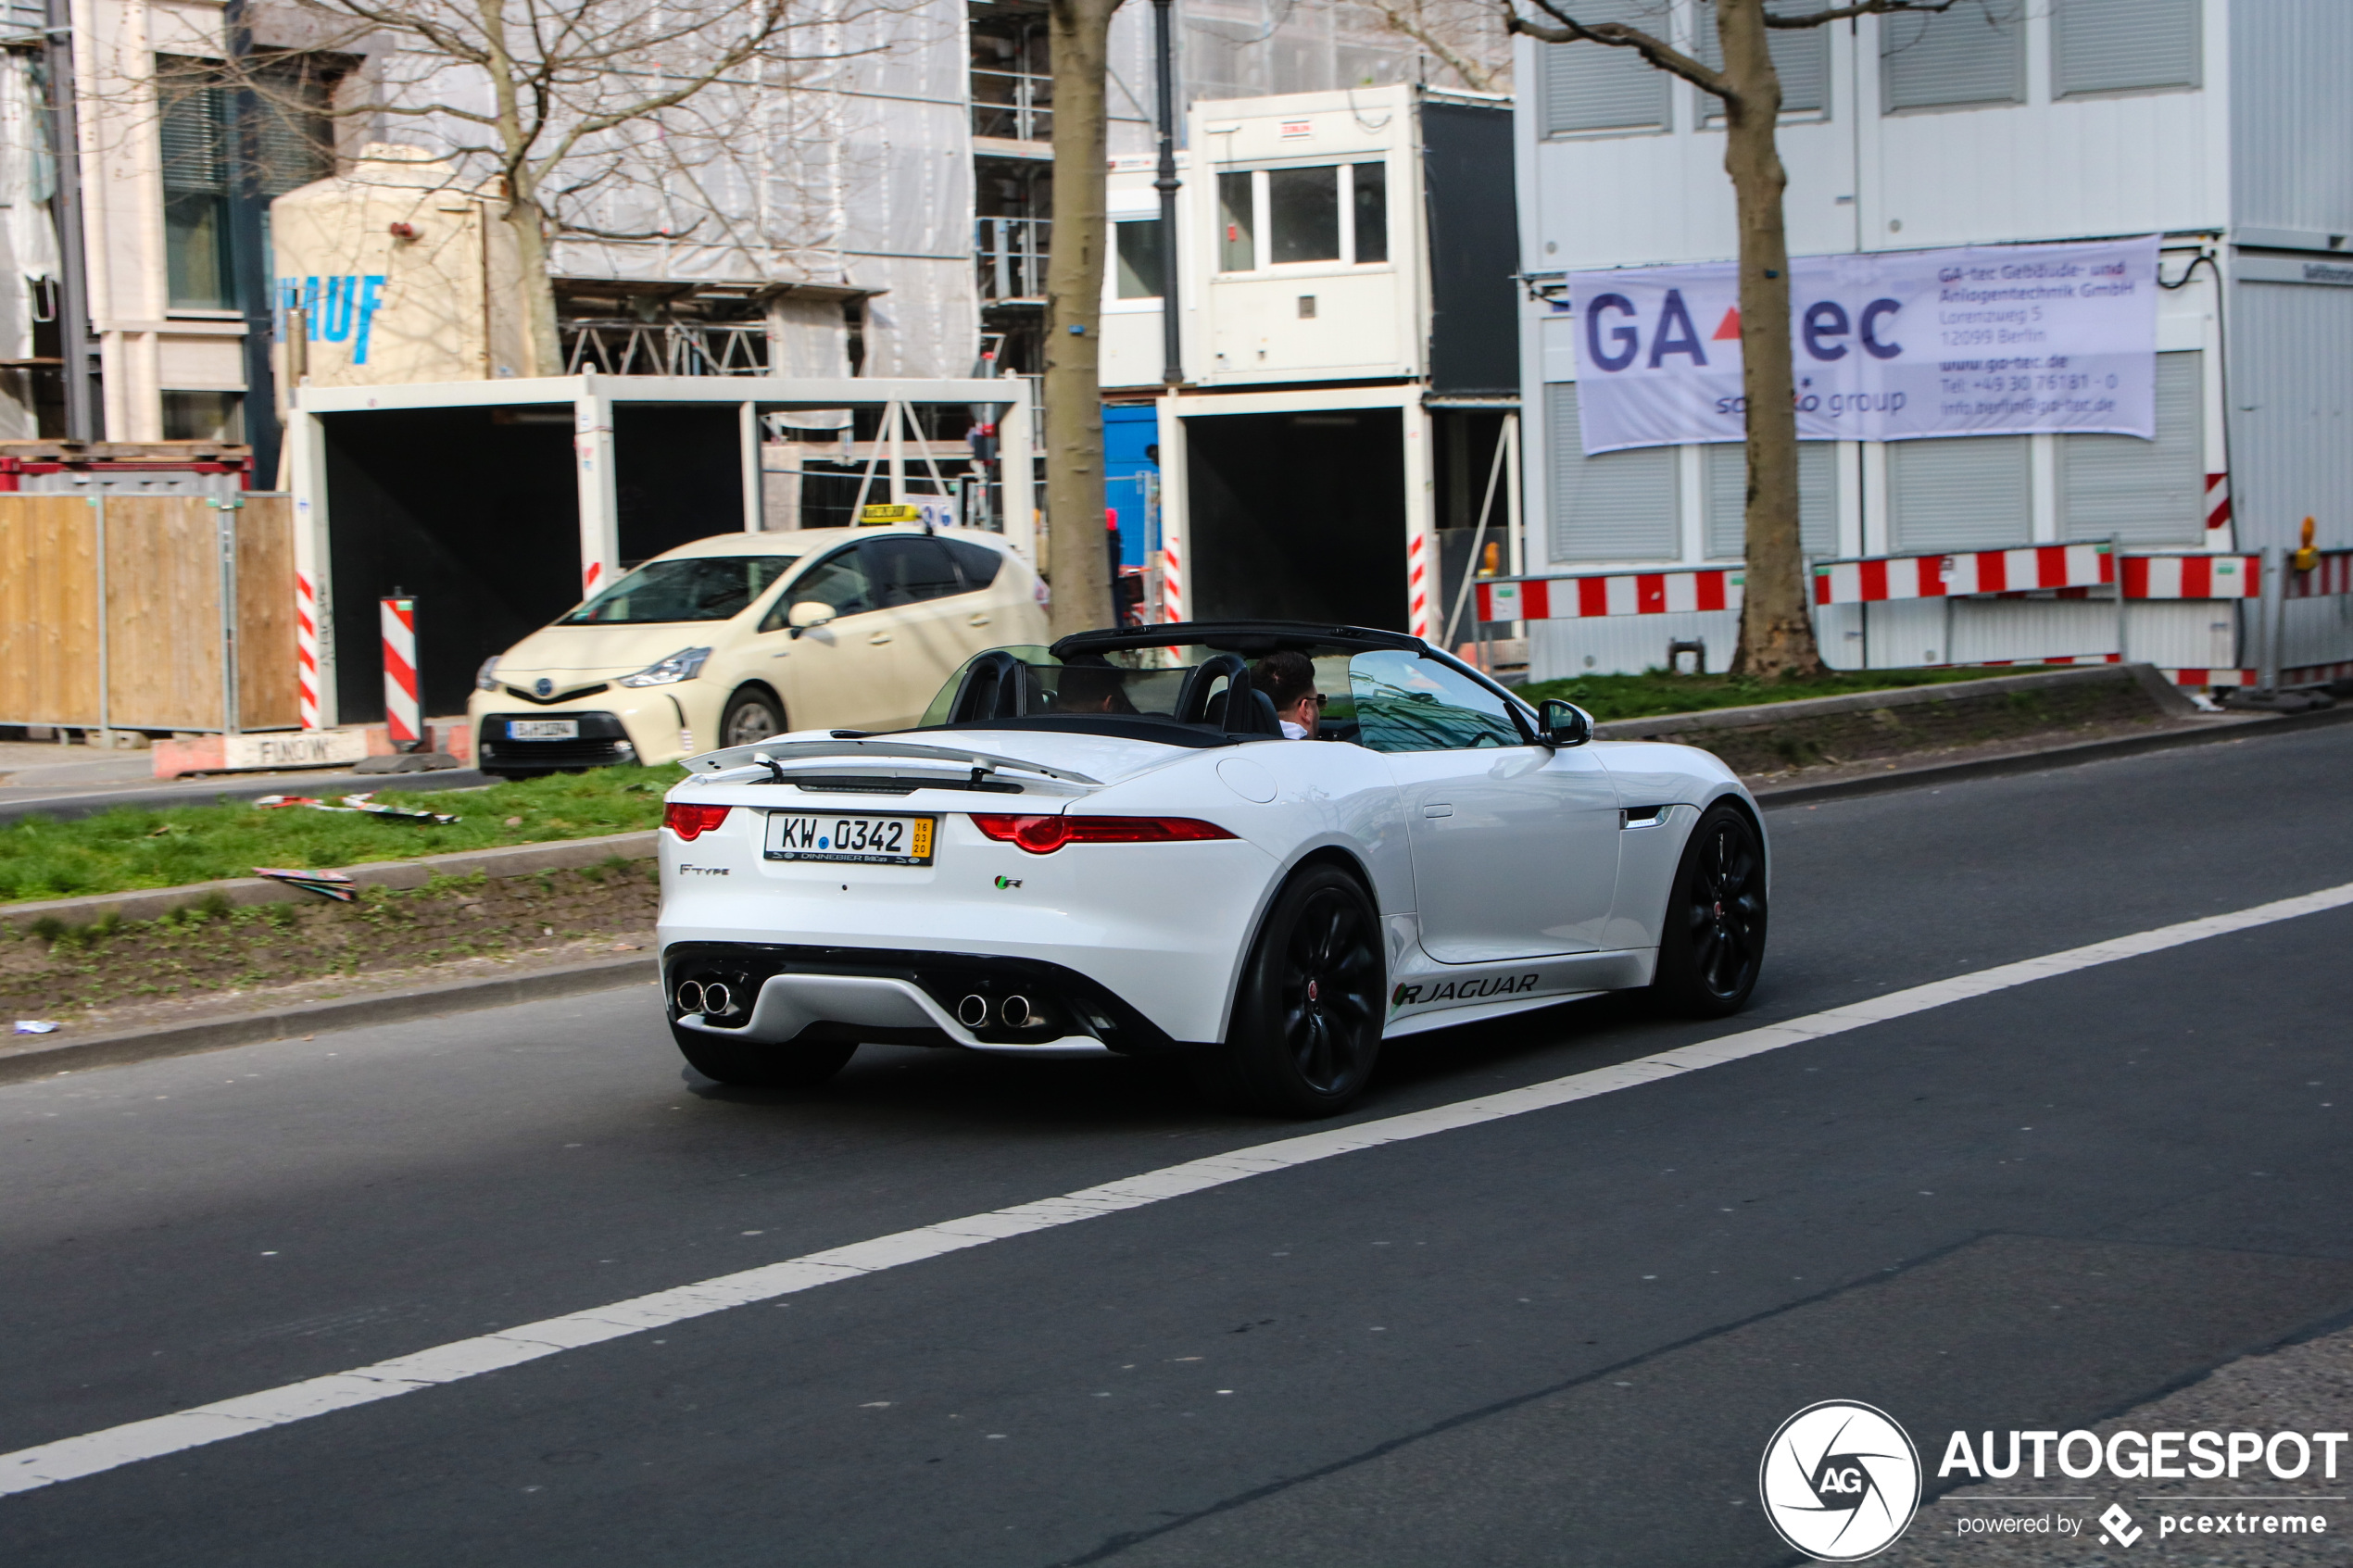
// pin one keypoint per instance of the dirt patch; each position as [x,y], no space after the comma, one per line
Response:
[207,957]
[1783,750]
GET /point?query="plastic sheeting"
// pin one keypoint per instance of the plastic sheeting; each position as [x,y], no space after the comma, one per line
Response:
[852,169]
[1252,48]
[28,181]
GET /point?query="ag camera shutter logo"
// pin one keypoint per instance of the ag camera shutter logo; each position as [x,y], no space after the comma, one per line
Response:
[1840,1481]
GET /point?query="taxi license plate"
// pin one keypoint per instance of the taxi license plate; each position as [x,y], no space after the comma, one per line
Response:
[874,841]
[543,729]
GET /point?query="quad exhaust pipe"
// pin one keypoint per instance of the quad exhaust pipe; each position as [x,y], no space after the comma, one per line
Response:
[712,998]
[1014,1012]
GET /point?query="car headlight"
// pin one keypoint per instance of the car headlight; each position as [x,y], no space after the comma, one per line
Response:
[683,665]
[486,678]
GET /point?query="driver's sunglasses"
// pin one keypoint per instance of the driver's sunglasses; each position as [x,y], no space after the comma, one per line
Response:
[1322,701]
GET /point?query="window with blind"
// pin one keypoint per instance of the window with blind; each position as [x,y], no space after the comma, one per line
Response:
[1973,54]
[2143,492]
[1959,493]
[1597,87]
[290,145]
[2123,45]
[1801,58]
[195,132]
[1618,507]
[1727,467]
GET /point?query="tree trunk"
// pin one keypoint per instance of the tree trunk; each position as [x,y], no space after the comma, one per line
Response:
[542,351]
[1777,635]
[1078,557]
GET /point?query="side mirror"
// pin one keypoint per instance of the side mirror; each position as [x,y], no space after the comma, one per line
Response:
[807,615]
[1564,723]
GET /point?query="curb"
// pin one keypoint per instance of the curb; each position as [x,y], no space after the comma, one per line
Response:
[2055,757]
[390,1007]
[1672,724]
[508,860]
[70,807]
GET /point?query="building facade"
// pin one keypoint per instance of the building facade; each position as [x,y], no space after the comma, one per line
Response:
[1348,371]
[2215,124]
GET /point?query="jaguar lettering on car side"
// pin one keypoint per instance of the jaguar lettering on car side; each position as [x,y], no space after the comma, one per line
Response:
[1462,990]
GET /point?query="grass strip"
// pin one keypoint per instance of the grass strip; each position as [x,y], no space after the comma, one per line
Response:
[1655,692]
[170,847]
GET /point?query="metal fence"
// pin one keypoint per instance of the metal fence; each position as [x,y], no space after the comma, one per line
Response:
[1011,255]
[665,348]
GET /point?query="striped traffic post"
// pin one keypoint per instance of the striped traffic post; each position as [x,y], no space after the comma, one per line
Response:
[307,650]
[404,716]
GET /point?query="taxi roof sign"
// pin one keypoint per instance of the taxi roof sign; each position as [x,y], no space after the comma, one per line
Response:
[878,514]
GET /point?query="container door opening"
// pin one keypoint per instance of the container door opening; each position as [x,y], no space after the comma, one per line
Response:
[1298,517]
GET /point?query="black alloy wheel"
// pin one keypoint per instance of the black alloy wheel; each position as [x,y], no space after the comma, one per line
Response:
[751,717]
[749,1065]
[1712,947]
[1307,1022]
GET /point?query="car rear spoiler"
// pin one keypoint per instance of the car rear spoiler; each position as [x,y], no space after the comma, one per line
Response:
[735,758]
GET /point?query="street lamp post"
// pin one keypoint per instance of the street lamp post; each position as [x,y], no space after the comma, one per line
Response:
[1171,331]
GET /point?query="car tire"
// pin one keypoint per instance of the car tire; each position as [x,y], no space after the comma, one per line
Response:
[752,716]
[1307,1019]
[749,1065]
[1711,946]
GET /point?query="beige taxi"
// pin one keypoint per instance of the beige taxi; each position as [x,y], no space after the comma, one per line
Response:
[732,639]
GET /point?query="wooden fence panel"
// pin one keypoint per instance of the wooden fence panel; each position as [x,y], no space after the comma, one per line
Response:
[163,612]
[269,696]
[49,611]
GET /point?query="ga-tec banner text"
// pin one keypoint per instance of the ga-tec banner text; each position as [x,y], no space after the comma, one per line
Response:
[1990,340]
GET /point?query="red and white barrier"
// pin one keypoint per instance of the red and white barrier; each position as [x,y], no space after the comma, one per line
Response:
[1172,584]
[1878,580]
[307,650]
[2332,578]
[2217,511]
[1633,592]
[404,714]
[2193,577]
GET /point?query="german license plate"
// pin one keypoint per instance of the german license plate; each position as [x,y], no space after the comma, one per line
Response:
[543,729]
[874,841]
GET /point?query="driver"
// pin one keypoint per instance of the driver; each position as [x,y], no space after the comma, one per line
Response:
[1289,680]
[1092,688]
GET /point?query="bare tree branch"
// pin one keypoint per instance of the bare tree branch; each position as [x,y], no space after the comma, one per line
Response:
[1477,77]
[1860,8]
[1657,50]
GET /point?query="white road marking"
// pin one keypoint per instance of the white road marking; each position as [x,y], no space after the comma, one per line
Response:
[71,1457]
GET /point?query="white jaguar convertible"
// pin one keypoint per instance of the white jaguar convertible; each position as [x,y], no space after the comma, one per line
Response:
[1266,846]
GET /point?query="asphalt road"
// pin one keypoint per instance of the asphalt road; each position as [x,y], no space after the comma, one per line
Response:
[1558,1338]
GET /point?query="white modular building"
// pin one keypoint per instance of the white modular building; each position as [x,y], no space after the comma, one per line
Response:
[1349,352]
[2220,126]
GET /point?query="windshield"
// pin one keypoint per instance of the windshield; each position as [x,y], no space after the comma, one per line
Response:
[688,588]
[1383,699]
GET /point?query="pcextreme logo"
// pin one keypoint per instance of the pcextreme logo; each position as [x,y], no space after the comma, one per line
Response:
[1840,1481]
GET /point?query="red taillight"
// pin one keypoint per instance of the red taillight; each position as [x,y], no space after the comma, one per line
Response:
[692,822]
[1043,836]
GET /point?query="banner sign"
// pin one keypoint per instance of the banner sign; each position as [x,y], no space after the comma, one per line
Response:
[1988,340]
